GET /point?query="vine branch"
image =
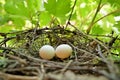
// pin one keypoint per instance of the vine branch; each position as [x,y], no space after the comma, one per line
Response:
[71,14]
[97,10]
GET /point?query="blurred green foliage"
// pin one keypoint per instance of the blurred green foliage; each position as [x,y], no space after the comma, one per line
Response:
[16,15]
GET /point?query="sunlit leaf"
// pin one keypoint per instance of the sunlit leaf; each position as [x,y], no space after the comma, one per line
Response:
[97,30]
[19,22]
[44,18]
[117,25]
[58,8]
[16,7]
[115,3]
[50,6]
[6,28]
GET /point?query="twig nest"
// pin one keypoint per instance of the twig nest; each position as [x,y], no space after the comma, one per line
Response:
[47,52]
[63,51]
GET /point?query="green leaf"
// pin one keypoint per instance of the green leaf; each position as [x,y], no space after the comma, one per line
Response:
[58,8]
[19,22]
[97,30]
[4,19]
[63,7]
[51,6]
[1,6]
[117,25]
[22,10]
[16,7]
[6,28]
[115,3]
[33,6]
[45,18]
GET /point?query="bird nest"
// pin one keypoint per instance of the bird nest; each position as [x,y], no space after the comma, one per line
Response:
[21,61]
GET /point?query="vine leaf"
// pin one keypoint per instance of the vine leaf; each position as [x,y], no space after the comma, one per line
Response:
[58,8]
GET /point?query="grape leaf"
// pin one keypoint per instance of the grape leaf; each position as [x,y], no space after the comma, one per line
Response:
[58,8]
[117,25]
[97,30]
[16,7]
[44,18]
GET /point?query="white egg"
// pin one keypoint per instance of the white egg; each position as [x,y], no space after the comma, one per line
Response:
[47,52]
[63,51]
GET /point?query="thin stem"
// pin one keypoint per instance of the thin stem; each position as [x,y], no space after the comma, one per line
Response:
[71,14]
[98,9]
[118,10]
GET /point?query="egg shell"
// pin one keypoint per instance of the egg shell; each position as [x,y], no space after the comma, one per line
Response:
[63,51]
[47,52]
